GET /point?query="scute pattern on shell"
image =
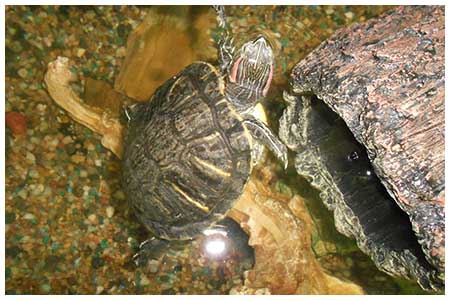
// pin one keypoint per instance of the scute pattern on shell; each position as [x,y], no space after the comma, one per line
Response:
[187,155]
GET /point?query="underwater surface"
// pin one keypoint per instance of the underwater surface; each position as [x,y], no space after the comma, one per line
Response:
[69,229]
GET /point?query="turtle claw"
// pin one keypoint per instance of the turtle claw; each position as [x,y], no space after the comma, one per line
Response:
[150,249]
[283,156]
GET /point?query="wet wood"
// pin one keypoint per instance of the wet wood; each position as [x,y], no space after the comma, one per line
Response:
[162,45]
[58,79]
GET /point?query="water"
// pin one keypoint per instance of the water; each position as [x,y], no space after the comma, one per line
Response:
[68,227]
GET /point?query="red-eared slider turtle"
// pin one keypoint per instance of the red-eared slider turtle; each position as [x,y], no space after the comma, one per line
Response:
[366,118]
[188,150]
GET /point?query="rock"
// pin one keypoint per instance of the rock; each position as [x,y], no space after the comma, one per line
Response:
[109,211]
[29,216]
[92,219]
[67,140]
[16,122]
[153,266]
[30,157]
[99,290]
[23,73]
[385,79]
[80,52]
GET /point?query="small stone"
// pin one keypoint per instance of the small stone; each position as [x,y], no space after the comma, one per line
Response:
[53,143]
[121,51]
[349,15]
[109,211]
[46,287]
[16,122]
[98,162]
[80,52]
[97,262]
[99,290]
[29,216]
[153,266]
[23,194]
[89,146]
[10,217]
[41,107]
[30,157]
[78,159]
[145,280]
[38,189]
[83,174]
[93,219]
[23,73]
[165,285]
[33,173]
[67,140]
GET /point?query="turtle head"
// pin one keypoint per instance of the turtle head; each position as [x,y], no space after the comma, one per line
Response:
[250,74]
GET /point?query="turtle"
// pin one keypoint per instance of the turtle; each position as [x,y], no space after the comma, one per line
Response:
[190,149]
[365,116]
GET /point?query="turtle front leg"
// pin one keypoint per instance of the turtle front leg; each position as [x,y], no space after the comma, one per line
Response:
[261,133]
[225,44]
[152,248]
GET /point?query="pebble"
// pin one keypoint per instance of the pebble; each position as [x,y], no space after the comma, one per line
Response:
[109,211]
[93,219]
[23,194]
[349,15]
[153,266]
[78,158]
[37,189]
[121,51]
[30,157]
[41,107]
[99,290]
[80,52]
[16,122]
[46,287]
[67,140]
[89,145]
[145,280]
[33,173]
[29,216]
[23,73]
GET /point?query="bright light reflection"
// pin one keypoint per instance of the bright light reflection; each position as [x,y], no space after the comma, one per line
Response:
[214,231]
[215,247]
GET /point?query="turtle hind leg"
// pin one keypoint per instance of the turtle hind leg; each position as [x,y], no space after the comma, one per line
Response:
[261,133]
[154,248]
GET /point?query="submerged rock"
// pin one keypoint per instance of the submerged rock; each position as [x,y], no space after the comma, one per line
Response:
[384,178]
[16,122]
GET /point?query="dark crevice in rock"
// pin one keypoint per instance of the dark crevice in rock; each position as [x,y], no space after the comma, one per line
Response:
[336,164]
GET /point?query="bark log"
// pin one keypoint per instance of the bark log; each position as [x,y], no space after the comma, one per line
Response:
[385,78]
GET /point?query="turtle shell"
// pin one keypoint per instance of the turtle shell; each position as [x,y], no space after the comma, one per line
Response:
[187,155]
